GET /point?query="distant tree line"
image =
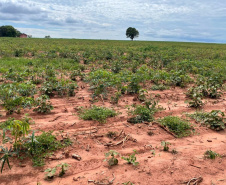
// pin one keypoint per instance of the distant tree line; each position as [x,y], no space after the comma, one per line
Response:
[9,31]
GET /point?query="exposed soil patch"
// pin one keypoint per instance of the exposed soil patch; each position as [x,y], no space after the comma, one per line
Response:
[91,143]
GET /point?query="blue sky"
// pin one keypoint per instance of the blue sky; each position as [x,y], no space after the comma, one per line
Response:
[157,20]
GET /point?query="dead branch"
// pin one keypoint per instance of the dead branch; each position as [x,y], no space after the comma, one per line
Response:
[54,119]
[195,181]
[166,129]
[195,166]
[122,131]
[103,183]
[118,143]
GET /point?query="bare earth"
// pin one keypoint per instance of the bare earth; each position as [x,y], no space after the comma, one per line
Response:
[156,167]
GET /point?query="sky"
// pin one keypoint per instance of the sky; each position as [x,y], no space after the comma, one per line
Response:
[156,20]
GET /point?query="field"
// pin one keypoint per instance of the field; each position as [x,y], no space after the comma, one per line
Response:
[112,112]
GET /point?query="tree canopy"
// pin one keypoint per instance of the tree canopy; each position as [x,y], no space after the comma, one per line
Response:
[132,33]
[9,31]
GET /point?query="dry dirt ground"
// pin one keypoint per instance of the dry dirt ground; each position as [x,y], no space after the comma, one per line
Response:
[156,167]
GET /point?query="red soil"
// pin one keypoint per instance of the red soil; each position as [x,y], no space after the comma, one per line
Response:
[89,139]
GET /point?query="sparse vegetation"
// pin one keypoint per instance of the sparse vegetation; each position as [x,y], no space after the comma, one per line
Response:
[39,74]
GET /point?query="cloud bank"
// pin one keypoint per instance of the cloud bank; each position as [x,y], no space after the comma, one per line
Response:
[163,20]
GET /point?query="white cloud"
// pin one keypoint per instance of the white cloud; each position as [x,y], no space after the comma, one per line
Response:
[108,19]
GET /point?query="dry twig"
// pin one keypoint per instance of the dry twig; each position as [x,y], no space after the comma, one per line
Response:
[103,183]
[195,181]
[166,129]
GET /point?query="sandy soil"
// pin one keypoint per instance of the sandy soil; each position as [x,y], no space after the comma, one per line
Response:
[156,167]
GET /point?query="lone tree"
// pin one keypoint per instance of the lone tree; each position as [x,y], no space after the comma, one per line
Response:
[132,33]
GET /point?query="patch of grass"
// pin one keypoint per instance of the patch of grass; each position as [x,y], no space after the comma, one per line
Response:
[177,125]
[96,113]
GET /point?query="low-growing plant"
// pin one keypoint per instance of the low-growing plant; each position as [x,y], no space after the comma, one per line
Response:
[6,154]
[165,145]
[43,105]
[115,98]
[142,96]
[112,160]
[62,168]
[160,87]
[177,125]
[211,154]
[143,113]
[96,113]
[50,173]
[174,151]
[131,159]
[39,147]
[179,78]
[19,128]
[214,119]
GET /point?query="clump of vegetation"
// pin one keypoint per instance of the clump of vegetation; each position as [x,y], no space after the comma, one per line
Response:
[96,113]
[62,168]
[143,113]
[211,154]
[112,160]
[214,119]
[165,145]
[177,125]
[40,146]
[196,97]
[43,105]
[160,87]
[131,159]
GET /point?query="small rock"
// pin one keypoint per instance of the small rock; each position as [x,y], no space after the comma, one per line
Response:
[77,157]
[209,140]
